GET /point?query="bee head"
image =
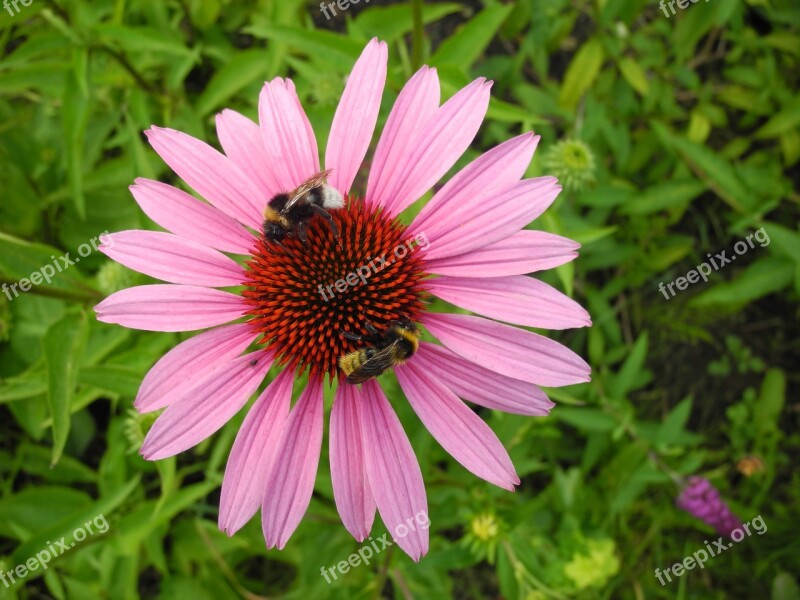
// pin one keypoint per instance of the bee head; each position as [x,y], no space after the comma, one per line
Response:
[274,231]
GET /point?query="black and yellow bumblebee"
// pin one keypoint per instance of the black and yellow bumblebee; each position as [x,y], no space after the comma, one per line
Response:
[287,214]
[383,350]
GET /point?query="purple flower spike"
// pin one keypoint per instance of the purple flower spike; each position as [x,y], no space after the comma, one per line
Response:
[702,500]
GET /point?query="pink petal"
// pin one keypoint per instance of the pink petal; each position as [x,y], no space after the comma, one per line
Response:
[510,351]
[477,384]
[240,138]
[163,307]
[206,406]
[351,491]
[523,252]
[417,103]
[172,258]
[516,299]
[190,360]
[287,134]
[499,217]
[393,473]
[488,175]
[185,215]
[253,453]
[210,173]
[291,481]
[355,118]
[440,143]
[460,431]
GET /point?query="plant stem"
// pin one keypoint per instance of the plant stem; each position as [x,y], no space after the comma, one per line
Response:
[417,34]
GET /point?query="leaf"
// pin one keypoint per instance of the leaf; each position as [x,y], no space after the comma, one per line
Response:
[465,46]
[114,379]
[20,260]
[581,73]
[144,39]
[586,419]
[634,75]
[719,174]
[765,276]
[664,195]
[671,428]
[75,116]
[784,121]
[625,379]
[240,71]
[389,23]
[771,400]
[64,343]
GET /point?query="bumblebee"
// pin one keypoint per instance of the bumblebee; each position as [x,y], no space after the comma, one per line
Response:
[385,349]
[287,214]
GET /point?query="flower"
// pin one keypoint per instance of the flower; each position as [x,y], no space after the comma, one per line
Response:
[572,162]
[701,500]
[477,258]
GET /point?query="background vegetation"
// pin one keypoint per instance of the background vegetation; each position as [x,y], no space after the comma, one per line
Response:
[692,127]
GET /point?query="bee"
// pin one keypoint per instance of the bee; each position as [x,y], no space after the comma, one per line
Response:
[385,349]
[288,213]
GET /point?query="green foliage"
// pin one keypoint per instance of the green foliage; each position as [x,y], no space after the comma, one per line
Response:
[692,125]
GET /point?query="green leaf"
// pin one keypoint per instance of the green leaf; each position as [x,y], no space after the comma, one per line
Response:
[64,343]
[715,171]
[671,428]
[784,121]
[114,379]
[625,379]
[770,403]
[144,39]
[634,74]
[20,260]
[582,71]
[664,195]
[389,23]
[465,46]
[765,276]
[240,71]
[75,115]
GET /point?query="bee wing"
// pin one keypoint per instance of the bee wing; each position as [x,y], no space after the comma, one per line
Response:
[312,182]
[374,366]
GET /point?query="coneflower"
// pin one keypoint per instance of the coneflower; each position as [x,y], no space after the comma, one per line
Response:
[470,249]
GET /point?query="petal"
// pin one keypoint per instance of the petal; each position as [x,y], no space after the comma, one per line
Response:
[205,406]
[190,360]
[172,258]
[467,192]
[461,432]
[163,307]
[516,299]
[240,138]
[523,252]
[351,491]
[185,215]
[502,215]
[440,143]
[355,118]
[253,453]
[417,103]
[291,482]
[510,351]
[286,134]
[393,473]
[210,173]
[477,384]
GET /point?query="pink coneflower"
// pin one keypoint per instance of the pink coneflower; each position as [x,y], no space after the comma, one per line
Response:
[702,500]
[477,250]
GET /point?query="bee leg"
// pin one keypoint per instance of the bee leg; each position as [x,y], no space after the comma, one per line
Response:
[327,216]
[371,329]
[302,233]
[353,337]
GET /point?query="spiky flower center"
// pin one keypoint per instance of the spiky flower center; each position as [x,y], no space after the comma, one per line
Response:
[304,295]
